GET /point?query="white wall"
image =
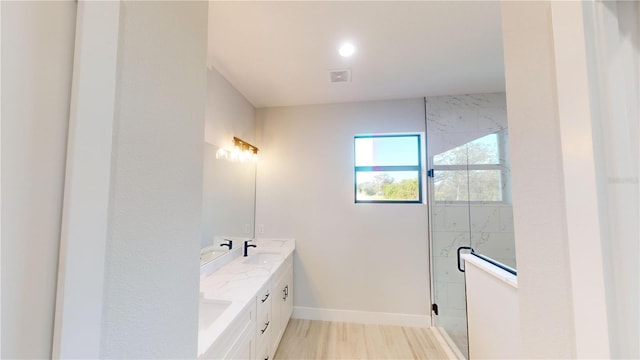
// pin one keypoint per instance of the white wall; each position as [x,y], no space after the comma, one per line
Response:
[152,262]
[614,83]
[558,249]
[78,317]
[361,258]
[492,307]
[544,284]
[37,59]
[0,187]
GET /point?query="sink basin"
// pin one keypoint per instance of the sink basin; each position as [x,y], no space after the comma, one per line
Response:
[264,258]
[210,310]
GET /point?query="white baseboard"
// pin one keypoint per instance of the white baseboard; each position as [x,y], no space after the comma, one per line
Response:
[361,317]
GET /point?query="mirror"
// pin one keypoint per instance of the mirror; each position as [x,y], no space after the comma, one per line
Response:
[228,203]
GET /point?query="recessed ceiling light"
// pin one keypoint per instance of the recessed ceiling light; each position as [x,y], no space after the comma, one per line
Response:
[347,50]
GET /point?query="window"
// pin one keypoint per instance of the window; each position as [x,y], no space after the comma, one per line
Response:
[388,169]
[472,171]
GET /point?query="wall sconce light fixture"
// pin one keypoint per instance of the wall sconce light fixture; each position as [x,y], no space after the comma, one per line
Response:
[242,151]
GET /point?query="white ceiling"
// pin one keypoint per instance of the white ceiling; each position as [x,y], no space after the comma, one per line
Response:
[279,53]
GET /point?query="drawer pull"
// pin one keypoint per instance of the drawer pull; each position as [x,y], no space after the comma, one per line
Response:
[265,297]
[266,325]
[285,293]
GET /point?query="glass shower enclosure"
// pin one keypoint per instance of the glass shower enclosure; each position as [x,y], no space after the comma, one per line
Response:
[469,198]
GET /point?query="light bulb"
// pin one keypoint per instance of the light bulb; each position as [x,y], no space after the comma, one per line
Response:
[347,50]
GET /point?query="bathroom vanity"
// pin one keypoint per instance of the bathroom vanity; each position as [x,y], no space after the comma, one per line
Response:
[246,302]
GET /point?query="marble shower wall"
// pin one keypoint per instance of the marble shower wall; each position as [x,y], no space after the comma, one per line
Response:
[457,119]
[453,121]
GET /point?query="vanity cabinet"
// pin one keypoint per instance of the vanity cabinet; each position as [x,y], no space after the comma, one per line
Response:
[238,342]
[255,331]
[282,302]
[274,311]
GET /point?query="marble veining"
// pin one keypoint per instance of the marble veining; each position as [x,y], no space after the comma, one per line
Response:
[237,282]
[456,120]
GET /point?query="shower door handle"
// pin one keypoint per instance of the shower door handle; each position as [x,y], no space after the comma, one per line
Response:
[459,259]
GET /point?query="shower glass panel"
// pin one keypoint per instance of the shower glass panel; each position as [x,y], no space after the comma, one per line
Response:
[492,216]
[469,197]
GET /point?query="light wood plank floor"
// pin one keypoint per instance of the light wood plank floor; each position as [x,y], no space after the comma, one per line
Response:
[310,339]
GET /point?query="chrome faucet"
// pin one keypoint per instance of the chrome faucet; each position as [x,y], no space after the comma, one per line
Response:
[229,244]
[246,245]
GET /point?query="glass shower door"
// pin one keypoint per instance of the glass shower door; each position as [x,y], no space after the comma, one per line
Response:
[450,224]
[469,197]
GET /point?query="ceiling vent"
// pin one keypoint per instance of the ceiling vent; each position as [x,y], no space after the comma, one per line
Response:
[340,76]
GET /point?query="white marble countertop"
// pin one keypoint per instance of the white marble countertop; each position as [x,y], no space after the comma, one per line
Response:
[238,280]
